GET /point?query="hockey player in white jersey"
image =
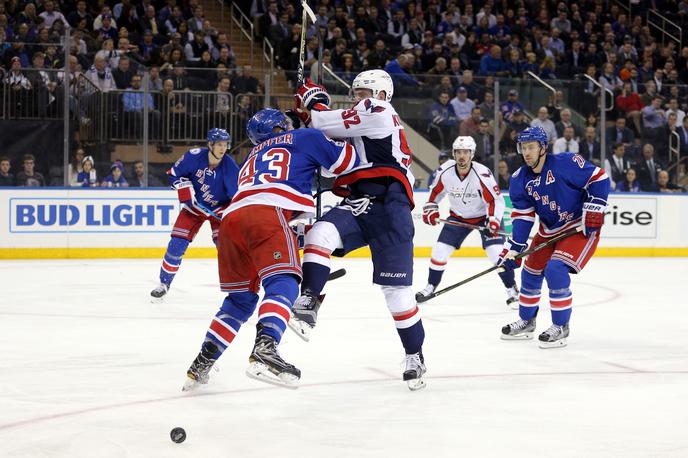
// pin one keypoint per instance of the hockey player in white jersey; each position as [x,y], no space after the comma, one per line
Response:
[474,200]
[376,210]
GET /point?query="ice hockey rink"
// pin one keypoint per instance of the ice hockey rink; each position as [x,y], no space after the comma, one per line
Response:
[90,368]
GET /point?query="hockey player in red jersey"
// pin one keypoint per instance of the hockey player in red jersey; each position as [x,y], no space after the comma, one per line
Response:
[376,211]
[256,247]
[474,199]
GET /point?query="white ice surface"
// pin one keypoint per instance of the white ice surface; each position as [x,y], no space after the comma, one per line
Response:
[89,368]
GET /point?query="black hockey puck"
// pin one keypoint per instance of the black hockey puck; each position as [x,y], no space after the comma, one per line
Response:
[178,435]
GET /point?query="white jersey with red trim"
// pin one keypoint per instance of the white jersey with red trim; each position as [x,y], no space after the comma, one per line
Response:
[473,197]
[279,171]
[374,128]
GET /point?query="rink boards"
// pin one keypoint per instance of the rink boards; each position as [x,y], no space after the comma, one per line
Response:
[136,223]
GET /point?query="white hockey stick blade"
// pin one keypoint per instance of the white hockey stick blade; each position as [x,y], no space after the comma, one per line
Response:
[308,11]
[261,372]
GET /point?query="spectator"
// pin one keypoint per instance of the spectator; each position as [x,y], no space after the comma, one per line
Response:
[511,105]
[6,178]
[470,126]
[617,165]
[547,68]
[222,98]
[471,86]
[50,15]
[519,121]
[378,57]
[545,123]
[648,167]
[75,168]
[674,108]
[630,105]
[463,106]
[683,136]
[399,69]
[116,178]
[195,23]
[100,75]
[503,175]
[589,147]
[138,181]
[653,119]
[619,133]
[87,177]
[123,74]
[663,184]
[245,82]
[629,184]
[443,157]
[29,177]
[194,49]
[444,86]
[487,108]
[564,122]
[443,120]
[492,63]
[566,143]
[133,100]
[81,13]
[484,141]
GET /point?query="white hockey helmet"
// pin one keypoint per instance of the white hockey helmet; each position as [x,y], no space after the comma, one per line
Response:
[375,80]
[464,142]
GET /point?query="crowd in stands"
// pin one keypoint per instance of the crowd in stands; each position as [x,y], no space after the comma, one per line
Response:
[449,51]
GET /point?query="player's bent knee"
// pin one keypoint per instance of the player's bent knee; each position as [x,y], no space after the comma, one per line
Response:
[441,251]
[282,287]
[493,252]
[177,246]
[240,306]
[557,273]
[324,234]
[399,299]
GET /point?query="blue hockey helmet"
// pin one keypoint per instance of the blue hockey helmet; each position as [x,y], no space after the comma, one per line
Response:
[260,127]
[531,134]
[218,135]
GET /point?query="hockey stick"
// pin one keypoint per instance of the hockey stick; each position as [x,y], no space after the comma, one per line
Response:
[472,226]
[308,13]
[539,247]
[339,273]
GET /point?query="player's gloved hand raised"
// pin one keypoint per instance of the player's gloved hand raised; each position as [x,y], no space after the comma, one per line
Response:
[493,225]
[431,214]
[506,257]
[312,97]
[593,215]
[185,192]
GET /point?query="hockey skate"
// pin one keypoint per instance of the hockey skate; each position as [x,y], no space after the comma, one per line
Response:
[512,297]
[414,370]
[304,314]
[554,336]
[267,365]
[519,330]
[425,292]
[159,293]
[199,372]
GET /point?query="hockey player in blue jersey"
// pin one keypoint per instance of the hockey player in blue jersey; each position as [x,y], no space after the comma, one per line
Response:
[564,191]
[205,179]
[375,213]
[256,247]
